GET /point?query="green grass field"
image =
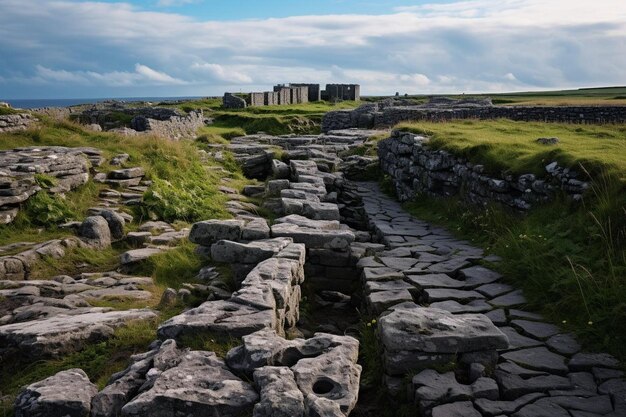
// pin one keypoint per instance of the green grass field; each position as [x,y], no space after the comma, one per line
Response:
[510,146]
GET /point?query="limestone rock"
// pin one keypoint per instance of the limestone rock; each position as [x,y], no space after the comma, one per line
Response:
[95,231]
[208,232]
[200,384]
[68,393]
[280,395]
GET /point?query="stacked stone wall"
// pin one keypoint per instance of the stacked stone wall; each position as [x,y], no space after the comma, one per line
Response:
[417,169]
[372,116]
[15,122]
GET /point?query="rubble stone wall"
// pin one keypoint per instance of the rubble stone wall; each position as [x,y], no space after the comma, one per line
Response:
[15,122]
[415,168]
[369,116]
[177,127]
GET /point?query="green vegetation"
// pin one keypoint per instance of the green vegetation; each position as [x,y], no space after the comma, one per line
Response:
[173,267]
[76,261]
[210,343]
[274,120]
[505,145]
[7,110]
[370,354]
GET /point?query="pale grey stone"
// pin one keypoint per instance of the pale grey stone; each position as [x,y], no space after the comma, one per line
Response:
[67,393]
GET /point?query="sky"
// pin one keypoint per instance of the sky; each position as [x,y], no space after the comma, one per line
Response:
[157,48]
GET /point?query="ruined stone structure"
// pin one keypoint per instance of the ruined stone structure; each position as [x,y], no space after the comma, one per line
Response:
[231,101]
[285,94]
[315,94]
[339,92]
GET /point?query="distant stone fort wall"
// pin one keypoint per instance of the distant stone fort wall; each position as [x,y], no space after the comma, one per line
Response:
[385,114]
[285,94]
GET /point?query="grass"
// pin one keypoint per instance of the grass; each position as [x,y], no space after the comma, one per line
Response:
[509,146]
[274,120]
[173,267]
[183,188]
[7,110]
[75,262]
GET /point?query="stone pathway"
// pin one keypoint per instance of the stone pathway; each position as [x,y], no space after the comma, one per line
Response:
[520,365]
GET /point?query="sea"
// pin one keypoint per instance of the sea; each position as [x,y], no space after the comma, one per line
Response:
[66,102]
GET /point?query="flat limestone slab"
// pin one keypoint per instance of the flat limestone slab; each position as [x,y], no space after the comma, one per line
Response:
[410,327]
[66,333]
[315,234]
[218,317]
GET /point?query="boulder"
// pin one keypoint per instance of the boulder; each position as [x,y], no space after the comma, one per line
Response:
[68,393]
[280,395]
[115,222]
[200,384]
[95,232]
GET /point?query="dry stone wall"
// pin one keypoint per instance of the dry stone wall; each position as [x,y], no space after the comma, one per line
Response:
[415,168]
[375,115]
[15,122]
[176,127]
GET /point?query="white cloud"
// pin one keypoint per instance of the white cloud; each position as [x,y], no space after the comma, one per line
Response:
[142,75]
[221,73]
[477,45]
[171,3]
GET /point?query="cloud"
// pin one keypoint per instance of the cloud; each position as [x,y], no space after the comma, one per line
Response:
[172,3]
[463,46]
[142,75]
[220,73]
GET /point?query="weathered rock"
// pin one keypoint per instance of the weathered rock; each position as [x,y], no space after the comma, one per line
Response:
[125,174]
[313,233]
[409,328]
[247,253]
[280,395]
[138,255]
[95,232]
[432,388]
[115,222]
[457,409]
[200,384]
[68,393]
[220,317]
[208,232]
[65,333]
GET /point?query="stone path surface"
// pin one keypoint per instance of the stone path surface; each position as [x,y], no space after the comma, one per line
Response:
[518,366]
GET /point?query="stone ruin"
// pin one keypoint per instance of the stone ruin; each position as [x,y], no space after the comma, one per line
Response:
[285,94]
